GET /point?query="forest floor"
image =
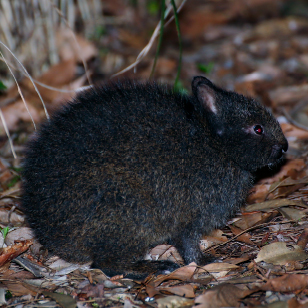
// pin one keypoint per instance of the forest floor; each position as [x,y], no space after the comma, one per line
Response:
[255,47]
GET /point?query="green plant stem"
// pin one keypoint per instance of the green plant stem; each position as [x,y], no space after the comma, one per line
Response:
[161,33]
[177,24]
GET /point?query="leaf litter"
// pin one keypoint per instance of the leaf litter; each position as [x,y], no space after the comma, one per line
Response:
[261,254]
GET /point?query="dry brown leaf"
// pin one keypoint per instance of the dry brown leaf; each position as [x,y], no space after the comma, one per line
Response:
[291,94]
[65,72]
[164,252]
[273,204]
[184,291]
[292,168]
[224,295]
[279,253]
[216,237]
[217,270]
[236,260]
[12,275]
[181,290]
[59,76]
[291,213]
[245,237]
[294,303]
[218,267]
[184,273]
[17,112]
[285,191]
[248,220]
[288,182]
[258,193]
[286,283]
[9,253]
[303,239]
[74,47]
[251,219]
[18,288]
[174,301]
[93,290]
[291,130]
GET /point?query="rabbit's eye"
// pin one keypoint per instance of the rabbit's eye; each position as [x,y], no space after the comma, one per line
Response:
[258,129]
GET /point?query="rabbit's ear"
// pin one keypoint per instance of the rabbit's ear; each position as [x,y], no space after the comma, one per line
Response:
[205,91]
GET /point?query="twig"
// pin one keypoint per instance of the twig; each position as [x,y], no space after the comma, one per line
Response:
[147,48]
[7,133]
[29,76]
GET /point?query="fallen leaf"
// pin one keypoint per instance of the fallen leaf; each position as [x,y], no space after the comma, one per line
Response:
[245,237]
[93,290]
[273,204]
[73,46]
[218,267]
[184,273]
[279,254]
[303,239]
[286,283]
[9,253]
[181,290]
[164,252]
[248,220]
[285,95]
[291,130]
[290,165]
[64,300]
[258,193]
[174,301]
[224,295]
[288,182]
[214,238]
[291,213]
[18,288]
[236,260]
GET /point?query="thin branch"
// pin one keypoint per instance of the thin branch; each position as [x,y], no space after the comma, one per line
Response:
[147,48]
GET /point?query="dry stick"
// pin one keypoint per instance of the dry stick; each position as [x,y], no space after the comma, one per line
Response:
[29,76]
[248,229]
[42,84]
[146,49]
[77,45]
[23,99]
[8,134]
[18,88]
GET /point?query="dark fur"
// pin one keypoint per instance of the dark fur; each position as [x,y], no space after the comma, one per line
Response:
[127,166]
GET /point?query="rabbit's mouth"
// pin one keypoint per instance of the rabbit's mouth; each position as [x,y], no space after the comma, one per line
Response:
[278,150]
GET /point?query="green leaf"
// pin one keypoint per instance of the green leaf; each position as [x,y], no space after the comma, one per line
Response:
[2,86]
[8,295]
[5,231]
[205,68]
[153,7]
[13,181]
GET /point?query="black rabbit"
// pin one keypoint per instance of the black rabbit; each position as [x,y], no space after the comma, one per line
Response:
[129,165]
